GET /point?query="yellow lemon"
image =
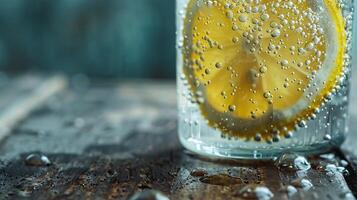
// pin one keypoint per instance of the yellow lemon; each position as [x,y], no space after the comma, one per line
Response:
[258,68]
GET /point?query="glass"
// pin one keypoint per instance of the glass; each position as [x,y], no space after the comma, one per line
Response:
[259,78]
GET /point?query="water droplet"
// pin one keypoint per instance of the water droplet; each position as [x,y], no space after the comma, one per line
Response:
[330,156]
[306,184]
[37,160]
[302,183]
[148,195]
[347,196]
[291,161]
[258,137]
[332,169]
[344,163]
[327,137]
[263,193]
[291,190]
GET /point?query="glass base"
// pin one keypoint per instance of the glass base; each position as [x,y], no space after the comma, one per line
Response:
[209,151]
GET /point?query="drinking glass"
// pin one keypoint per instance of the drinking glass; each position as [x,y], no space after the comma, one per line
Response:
[257,78]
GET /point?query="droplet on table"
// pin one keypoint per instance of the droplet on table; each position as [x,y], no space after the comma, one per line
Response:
[37,160]
[291,190]
[148,195]
[302,183]
[263,193]
[292,161]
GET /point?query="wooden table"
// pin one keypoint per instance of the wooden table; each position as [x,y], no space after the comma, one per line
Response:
[108,140]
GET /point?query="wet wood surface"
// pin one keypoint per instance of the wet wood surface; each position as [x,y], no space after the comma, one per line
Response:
[112,140]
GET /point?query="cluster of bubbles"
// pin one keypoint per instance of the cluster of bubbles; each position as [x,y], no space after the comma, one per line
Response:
[290,33]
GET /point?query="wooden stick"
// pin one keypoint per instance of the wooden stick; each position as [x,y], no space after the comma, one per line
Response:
[20,109]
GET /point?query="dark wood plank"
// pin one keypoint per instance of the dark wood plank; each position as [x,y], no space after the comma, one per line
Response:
[108,141]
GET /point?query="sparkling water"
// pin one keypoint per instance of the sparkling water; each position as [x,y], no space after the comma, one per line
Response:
[325,129]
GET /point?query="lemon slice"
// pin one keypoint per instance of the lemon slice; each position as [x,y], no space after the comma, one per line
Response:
[260,68]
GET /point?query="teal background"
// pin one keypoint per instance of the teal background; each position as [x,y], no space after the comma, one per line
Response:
[120,38]
[104,38]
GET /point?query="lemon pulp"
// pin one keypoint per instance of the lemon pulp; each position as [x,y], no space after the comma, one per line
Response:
[260,68]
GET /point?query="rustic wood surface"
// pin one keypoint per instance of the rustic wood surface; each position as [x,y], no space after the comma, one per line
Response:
[111,140]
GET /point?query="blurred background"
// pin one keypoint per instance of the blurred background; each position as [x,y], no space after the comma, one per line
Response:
[111,38]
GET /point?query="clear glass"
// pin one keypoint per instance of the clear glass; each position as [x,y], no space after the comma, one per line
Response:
[320,131]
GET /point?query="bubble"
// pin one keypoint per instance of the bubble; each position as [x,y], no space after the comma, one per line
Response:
[302,124]
[232,108]
[235,39]
[264,17]
[263,69]
[229,14]
[218,65]
[258,137]
[275,33]
[289,134]
[284,62]
[235,27]
[243,18]
[310,46]
[207,71]
[276,138]
[267,95]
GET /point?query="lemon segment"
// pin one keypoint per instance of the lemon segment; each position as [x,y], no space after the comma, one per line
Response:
[262,66]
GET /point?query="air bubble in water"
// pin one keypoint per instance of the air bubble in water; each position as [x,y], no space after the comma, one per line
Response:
[232,108]
[275,33]
[243,18]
